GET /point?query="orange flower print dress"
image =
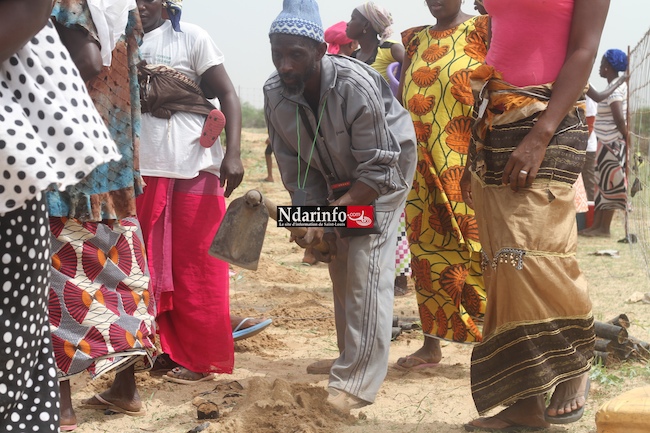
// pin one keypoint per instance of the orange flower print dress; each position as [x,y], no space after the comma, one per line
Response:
[445,249]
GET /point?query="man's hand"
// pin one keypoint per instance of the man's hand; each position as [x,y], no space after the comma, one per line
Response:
[314,237]
[231,173]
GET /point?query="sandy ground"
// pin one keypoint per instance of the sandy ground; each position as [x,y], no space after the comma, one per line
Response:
[270,390]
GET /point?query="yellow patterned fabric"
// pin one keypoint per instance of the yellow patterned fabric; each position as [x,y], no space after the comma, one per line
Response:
[384,58]
[442,229]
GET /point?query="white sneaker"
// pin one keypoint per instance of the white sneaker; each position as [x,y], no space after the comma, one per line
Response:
[343,401]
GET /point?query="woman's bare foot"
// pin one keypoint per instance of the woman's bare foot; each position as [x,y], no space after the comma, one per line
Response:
[526,413]
[430,353]
[68,417]
[569,396]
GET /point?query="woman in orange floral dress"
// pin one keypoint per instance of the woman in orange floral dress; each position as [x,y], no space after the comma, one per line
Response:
[442,230]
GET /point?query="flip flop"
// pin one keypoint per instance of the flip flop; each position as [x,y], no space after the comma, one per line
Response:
[107,405]
[572,416]
[101,406]
[240,334]
[421,363]
[69,427]
[178,371]
[212,128]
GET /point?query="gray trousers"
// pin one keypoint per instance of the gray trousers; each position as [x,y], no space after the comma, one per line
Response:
[363,275]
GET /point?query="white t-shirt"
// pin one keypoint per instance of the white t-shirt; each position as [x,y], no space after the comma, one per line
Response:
[591,111]
[605,126]
[170,147]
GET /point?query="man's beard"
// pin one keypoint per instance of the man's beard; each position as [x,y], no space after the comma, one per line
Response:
[294,89]
[299,87]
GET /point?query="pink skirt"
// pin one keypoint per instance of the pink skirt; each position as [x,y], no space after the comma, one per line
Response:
[179,218]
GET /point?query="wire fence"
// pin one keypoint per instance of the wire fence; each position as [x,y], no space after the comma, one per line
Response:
[638,219]
[251,95]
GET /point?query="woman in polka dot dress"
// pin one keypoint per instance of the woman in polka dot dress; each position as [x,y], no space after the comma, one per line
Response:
[45,141]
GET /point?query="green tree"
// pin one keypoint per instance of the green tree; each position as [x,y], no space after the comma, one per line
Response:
[252,117]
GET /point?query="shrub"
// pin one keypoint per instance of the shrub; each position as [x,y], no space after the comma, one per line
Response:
[252,117]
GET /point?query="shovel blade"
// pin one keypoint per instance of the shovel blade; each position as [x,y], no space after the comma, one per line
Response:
[241,234]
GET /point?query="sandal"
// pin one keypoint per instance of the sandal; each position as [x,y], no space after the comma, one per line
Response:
[181,374]
[240,332]
[109,406]
[572,416]
[212,128]
[413,362]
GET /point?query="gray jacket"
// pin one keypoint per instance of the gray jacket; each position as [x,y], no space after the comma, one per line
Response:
[365,134]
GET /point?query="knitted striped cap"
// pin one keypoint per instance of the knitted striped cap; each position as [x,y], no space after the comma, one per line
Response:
[300,18]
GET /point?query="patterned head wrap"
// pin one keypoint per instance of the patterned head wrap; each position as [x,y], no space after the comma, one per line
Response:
[335,37]
[300,18]
[174,9]
[380,19]
[616,58]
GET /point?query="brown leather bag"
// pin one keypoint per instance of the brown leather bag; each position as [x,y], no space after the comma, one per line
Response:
[164,91]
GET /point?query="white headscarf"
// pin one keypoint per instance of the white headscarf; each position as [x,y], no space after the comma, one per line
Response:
[380,19]
[110,18]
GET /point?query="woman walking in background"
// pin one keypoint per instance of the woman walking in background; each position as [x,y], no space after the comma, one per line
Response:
[611,131]
[441,227]
[527,151]
[370,24]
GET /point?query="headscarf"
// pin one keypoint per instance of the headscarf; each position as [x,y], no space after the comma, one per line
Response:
[380,19]
[300,18]
[616,58]
[335,37]
[110,19]
[174,9]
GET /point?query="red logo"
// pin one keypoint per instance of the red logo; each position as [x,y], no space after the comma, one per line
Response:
[360,217]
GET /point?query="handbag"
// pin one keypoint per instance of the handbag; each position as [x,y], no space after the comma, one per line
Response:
[337,186]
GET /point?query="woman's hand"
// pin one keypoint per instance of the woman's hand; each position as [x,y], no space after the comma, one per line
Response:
[466,187]
[525,161]
[586,27]
[231,173]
